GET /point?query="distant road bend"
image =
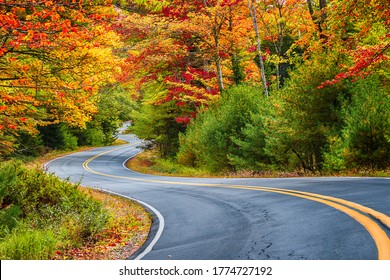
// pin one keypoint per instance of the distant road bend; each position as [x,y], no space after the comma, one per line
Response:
[227,218]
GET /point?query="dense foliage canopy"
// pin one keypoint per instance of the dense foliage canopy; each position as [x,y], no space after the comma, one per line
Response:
[223,84]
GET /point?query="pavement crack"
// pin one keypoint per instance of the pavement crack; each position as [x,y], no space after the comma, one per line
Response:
[259,249]
[295,256]
[263,250]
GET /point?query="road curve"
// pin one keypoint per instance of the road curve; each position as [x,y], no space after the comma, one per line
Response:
[227,218]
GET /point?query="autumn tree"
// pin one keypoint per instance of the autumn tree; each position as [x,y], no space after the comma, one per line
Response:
[219,27]
[360,30]
[319,106]
[318,14]
[155,57]
[53,57]
[282,25]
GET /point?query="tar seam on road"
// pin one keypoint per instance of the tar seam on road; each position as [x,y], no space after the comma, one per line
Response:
[379,236]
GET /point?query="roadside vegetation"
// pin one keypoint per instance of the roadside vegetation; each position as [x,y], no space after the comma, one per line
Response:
[43,217]
[151,162]
[51,139]
[247,134]
[301,97]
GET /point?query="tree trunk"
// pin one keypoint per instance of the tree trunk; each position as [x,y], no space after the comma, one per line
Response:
[318,21]
[219,74]
[218,58]
[252,10]
[238,73]
[303,163]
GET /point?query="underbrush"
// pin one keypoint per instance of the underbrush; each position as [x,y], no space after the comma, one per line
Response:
[149,162]
[125,232]
[41,214]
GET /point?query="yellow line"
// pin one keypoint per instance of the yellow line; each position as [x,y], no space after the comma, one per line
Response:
[377,215]
[379,236]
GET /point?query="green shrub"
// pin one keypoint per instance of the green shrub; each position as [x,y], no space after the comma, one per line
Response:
[305,114]
[90,136]
[157,124]
[364,141]
[219,139]
[91,219]
[27,145]
[52,213]
[171,166]
[58,137]
[33,189]
[7,180]
[9,218]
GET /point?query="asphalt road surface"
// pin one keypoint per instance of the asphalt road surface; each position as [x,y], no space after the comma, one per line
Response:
[226,218]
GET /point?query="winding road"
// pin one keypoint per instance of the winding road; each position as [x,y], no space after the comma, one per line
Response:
[227,218]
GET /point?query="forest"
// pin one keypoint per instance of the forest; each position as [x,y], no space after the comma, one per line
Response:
[222,85]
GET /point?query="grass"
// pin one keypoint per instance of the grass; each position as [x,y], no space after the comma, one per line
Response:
[149,162]
[28,244]
[118,142]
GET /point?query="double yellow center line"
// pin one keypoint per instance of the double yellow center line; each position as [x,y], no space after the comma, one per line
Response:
[366,216]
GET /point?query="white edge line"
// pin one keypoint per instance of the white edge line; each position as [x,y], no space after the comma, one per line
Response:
[127,168]
[160,217]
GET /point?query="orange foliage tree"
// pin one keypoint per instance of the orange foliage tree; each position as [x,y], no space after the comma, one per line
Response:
[54,55]
[361,31]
